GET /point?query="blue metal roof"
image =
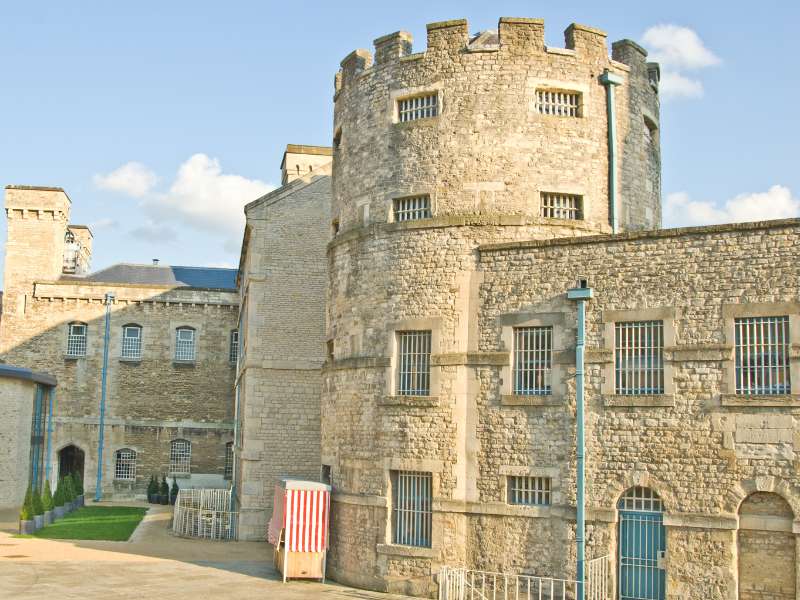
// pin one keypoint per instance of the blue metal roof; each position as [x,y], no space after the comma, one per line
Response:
[198,277]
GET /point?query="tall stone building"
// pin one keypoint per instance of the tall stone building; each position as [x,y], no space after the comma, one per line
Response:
[171,352]
[473,184]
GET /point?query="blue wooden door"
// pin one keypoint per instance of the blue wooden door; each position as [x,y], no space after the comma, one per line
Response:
[642,546]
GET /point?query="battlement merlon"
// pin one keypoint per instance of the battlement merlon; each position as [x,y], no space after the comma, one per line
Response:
[21,199]
[517,36]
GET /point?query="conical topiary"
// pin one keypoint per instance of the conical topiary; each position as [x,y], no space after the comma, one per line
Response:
[36,503]
[69,493]
[26,512]
[47,497]
[173,493]
[77,484]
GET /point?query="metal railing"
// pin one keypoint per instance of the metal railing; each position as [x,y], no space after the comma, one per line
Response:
[205,514]
[459,583]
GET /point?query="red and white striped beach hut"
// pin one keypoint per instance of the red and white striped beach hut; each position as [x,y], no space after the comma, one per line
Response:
[299,528]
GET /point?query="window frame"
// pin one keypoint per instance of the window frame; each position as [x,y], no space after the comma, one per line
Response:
[402,483]
[233,349]
[758,349]
[177,354]
[540,357]
[180,458]
[227,468]
[541,486]
[421,108]
[392,112]
[642,372]
[83,347]
[130,464]
[125,328]
[414,375]
[415,213]
[556,108]
[553,198]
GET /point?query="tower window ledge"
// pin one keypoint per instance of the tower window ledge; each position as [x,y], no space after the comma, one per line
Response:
[639,401]
[130,361]
[532,400]
[409,401]
[760,401]
[183,363]
[410,551]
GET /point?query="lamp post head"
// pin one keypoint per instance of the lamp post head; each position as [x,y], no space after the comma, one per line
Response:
[581,291]
[109,299]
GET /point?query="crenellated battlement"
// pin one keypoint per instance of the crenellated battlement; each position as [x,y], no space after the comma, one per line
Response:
[514,37]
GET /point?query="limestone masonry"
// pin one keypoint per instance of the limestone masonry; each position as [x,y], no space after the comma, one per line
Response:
[399,327]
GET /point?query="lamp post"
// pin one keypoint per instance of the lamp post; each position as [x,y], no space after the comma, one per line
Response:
[581,294]
[108,301]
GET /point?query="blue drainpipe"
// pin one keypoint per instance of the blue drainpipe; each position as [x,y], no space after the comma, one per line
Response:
[610,80]
[109,299]
[582,293]
[51,393]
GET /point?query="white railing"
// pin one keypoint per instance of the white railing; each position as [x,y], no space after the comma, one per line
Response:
[204,514]
[458,583]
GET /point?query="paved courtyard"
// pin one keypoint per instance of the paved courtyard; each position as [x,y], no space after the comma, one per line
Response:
[152,564]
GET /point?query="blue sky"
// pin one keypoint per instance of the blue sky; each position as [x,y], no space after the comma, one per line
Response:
[202,97]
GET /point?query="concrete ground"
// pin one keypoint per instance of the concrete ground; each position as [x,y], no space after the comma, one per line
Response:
[152,564]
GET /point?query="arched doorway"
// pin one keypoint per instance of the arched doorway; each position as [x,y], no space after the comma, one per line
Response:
[766,548]
[70,460]
[641,546]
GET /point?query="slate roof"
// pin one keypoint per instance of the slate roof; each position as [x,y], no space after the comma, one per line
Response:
[196,277]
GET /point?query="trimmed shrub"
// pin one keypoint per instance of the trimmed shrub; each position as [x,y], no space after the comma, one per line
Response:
[152,489]
[36,503]
[26,512]
[69,493]
[163,491]
[173,493]
[77,484]
[47,497]
[58,497]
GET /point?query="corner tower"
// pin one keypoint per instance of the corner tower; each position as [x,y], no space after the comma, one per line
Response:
[481,139]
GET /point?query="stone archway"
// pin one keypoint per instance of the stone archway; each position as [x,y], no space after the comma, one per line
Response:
[70,460]
[766,548]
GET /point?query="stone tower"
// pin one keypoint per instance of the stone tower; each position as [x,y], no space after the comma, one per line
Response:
[484,139]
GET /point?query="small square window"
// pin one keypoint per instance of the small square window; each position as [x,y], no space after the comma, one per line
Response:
[412,208]
[529,491]
[559,103]
[561,206]
[417,107]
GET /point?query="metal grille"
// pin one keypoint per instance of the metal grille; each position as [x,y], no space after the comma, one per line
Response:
[561,206]
[228,473]
[205,513]
[125,465]
[76,340]
[533,357]
[184,344]
[412,497]
[414,377]
[559,104]
[234,351]
[762,355]
[642,546]
[528,490]
[131,341]
[412,208]
[180,456]
[418,107]
[639,357]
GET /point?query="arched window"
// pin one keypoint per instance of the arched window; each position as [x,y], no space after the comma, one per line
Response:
[125,465]
[184,344]
[180,457]
[76,339]
[228,473]
[132,341]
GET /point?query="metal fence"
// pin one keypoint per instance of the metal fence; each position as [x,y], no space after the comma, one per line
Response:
[458,583]
[205,514]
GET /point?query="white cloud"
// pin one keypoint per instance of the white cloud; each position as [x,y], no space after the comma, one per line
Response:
[104,223]
[777,202]
[678,49]
[153,232]
[133,179]
[204,197]
[675,85]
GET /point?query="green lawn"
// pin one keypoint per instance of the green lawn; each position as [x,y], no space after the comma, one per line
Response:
[114,523]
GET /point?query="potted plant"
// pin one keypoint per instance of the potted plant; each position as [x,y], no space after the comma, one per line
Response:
[38,509]
[173,493]
[151,490]
[77,485]
[164,491]
[47,503]
[58,501]
[26,524]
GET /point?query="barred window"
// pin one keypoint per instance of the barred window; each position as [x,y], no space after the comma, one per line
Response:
[234,346]
[641,499]
[639,357]
[184,343]
[180,456]
[414,373]
[412,500]
[417,107]
[762,355]
[561,206]
[412,208]
[558,103]
[228,473]
[76,339]
[533,358]
[131,341]
[527,490]
[125,465]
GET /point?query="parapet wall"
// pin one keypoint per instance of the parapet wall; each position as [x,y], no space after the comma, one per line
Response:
[490,148]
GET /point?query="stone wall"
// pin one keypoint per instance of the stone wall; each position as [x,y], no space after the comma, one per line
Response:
[283,278]
[16,411]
